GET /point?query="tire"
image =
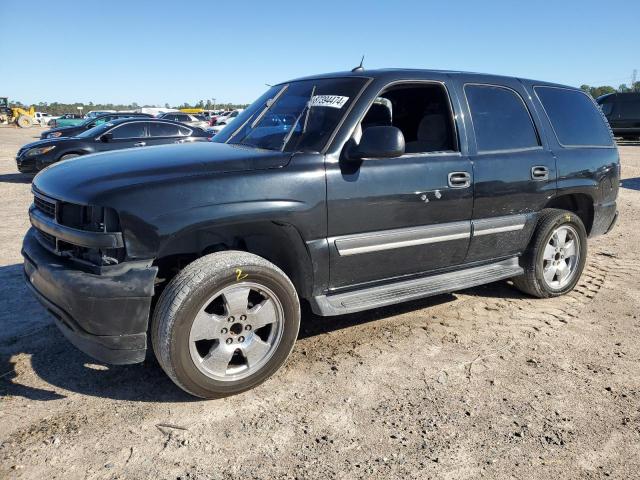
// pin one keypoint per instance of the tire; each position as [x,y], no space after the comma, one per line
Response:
[68,156]
[208,298]
[546,255]
[24,121]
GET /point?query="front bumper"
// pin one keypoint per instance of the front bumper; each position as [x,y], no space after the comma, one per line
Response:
[26,165]
[104,315]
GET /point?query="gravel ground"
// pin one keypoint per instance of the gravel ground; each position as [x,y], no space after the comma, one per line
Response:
[483,383]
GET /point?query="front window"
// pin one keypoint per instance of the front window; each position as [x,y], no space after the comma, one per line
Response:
[298,116]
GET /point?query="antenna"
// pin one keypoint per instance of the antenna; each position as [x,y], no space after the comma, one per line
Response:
[359,68]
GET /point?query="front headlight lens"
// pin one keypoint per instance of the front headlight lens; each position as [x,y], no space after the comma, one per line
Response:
[40,151]
[54,135]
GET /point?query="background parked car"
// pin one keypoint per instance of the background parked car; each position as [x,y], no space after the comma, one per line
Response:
[224,121]
[115,135]
[43,118]
[623,112]
[97,113]
[185,118]
[89,123]
[66,120]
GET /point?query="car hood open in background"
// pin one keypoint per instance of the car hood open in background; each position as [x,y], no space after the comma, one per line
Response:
[81,179]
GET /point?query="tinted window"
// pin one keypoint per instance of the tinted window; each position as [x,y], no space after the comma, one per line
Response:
[164,130]
[574,117]
[629,109]
[183,118]
[129,130]
[500,118]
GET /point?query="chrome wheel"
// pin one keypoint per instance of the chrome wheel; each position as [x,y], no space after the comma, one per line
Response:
[236,331]
[561,257]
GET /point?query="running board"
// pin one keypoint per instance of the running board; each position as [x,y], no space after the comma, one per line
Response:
[402,291]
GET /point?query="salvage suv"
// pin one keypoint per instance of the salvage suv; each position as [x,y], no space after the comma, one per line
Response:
[349,191]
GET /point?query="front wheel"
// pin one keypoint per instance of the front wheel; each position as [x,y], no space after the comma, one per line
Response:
[556,256]
[225,324]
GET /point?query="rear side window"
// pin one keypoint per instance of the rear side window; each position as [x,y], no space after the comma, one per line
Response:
[574,117]
[164,130]
[130,130]
[629,109]
[500,119]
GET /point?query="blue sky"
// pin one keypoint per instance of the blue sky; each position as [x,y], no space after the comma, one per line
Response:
[153,52]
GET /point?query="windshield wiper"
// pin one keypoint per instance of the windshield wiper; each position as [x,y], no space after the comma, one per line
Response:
[305,110]
[270,103]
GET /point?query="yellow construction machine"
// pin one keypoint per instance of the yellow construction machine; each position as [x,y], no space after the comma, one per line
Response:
[18,115]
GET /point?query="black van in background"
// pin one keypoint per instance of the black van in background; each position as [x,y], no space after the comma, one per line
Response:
[623,112]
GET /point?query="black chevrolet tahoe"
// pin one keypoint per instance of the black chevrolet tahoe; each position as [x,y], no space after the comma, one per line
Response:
[349,191]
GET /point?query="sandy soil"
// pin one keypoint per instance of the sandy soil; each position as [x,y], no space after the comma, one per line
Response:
[483,383]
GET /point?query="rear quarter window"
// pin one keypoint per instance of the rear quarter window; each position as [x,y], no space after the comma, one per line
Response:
[575,118]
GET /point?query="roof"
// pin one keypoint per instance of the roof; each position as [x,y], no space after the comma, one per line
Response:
[391,74]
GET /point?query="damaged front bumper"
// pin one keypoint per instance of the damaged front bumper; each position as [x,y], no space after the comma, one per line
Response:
[105,315]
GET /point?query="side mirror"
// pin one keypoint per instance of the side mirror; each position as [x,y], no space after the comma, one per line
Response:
[378,142]
[107,137]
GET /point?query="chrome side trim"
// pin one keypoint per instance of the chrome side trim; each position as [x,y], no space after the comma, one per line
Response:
[401,237]
[507,223]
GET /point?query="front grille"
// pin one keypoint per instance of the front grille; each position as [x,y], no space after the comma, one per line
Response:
[45,206]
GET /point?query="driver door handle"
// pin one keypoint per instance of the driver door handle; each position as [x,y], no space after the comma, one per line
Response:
[459,179]
[139,144]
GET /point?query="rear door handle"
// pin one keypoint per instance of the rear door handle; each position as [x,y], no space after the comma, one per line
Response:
[539,172]
[459,179]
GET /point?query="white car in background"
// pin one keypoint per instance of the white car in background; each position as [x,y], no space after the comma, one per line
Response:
[43,118]
[185,118]
[224,121]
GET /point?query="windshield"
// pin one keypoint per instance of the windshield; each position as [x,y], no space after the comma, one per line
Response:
[95,131]
[298,116]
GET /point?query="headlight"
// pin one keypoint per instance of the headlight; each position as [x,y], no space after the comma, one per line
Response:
[54,135]
[39,151]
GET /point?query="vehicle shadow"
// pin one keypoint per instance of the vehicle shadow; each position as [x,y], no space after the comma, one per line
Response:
[631,183]
[28,332]
[16,178]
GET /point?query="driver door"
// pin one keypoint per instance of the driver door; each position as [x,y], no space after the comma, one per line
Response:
[393,217]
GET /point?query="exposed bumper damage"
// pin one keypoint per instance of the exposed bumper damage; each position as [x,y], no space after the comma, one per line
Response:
[105,315]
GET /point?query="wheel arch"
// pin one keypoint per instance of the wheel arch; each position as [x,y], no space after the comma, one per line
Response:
[577,202]
[280,243]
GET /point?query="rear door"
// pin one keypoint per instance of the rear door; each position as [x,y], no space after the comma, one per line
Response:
[514,173]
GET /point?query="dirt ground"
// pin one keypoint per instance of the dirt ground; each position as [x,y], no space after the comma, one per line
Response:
[483,383]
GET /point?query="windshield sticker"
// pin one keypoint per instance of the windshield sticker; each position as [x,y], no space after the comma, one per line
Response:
[331,101]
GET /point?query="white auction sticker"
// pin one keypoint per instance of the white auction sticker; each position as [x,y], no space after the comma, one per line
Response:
[331,101]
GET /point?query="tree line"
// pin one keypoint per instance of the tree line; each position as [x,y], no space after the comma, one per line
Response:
[58,108]
[603,90]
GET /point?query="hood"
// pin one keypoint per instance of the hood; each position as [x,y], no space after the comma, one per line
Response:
[60,129]
[82,179]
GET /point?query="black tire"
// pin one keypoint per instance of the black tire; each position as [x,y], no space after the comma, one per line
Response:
[69,155]
[183,298]
[532,281]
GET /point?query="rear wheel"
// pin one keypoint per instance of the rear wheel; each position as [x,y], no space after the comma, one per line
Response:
[225,324]
[24,121]
[556,256]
